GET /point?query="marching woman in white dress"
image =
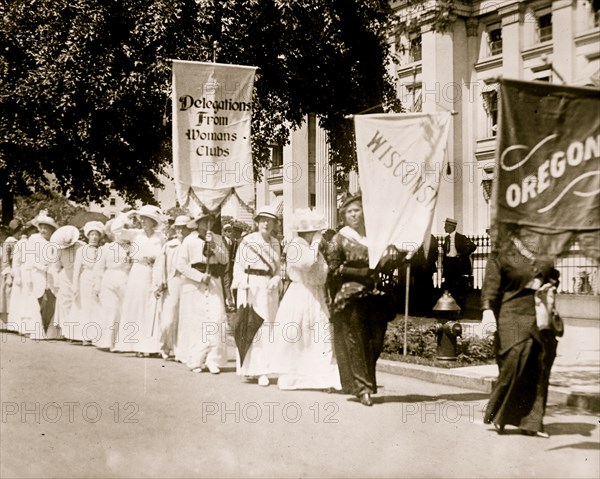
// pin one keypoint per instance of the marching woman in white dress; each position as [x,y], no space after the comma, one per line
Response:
[167,284]
[6,256]
[38,283]
[201,260]
[256,276]
[86,305]
[66,240]
[18,294]
[139,330]
[304,347]
[110,281]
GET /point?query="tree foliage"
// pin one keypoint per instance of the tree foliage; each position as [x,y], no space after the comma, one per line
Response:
[85,84]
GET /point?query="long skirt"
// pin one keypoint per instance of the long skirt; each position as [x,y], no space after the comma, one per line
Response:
[304,357]
[139,330]
[34,312]
[69,327]
[169,316]
[260,356]
[85,309]
[4,298]
[17,307]
[520,393]
[359,333]
[112,294]
[201,335]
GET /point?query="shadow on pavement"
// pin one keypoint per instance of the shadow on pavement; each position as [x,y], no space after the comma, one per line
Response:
[589,445]
[413,398]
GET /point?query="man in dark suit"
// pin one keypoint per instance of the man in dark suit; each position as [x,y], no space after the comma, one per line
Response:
[423,265]
[456,262]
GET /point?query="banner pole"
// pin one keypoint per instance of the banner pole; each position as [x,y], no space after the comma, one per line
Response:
[404,348]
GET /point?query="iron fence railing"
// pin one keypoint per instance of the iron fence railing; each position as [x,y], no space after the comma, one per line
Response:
[578,274]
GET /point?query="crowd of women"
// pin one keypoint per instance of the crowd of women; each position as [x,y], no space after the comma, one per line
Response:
[130,288]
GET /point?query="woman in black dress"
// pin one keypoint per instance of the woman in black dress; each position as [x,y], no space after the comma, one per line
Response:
[361,308]
[524,352]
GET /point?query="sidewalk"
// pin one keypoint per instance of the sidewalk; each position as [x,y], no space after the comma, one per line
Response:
[574,380]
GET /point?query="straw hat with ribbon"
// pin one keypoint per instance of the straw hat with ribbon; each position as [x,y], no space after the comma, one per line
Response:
[65,236]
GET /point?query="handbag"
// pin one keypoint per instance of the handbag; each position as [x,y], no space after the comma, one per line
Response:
[546,315]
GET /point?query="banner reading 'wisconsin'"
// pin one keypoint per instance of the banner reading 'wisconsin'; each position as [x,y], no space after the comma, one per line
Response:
[212,111]
[548,174]
[400,160]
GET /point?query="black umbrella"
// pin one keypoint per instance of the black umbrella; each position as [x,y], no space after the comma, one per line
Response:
[247,323]
[47,303]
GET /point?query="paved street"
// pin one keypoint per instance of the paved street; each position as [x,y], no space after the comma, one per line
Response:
[74,411]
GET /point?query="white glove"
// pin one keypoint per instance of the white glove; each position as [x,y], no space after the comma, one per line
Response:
[488,323]
[488,316]
[274,282]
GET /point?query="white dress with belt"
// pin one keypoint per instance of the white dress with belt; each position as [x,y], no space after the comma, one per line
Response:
[250,268]
[201,335]
[110,273]
[139,330]
[304,348]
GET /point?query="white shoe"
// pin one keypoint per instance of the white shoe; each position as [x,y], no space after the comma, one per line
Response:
[197,370]
[213,369]
[263,381]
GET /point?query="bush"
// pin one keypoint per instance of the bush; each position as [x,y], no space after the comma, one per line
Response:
[422,343]
[473,349]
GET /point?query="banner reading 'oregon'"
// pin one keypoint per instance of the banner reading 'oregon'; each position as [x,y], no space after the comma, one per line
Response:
[548,172]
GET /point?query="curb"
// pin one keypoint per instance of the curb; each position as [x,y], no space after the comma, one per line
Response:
[586,401]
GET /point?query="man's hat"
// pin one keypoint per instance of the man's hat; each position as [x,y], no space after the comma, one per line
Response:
[227,226]
[452,221]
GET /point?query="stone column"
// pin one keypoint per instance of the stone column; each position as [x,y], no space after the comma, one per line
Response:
[295,175]
[325,188]
[441,93]
[512,39]
[563,31]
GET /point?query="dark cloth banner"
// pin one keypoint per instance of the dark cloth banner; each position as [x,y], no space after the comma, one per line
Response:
[548,172]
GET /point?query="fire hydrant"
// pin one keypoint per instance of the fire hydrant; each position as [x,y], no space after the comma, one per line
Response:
[446,311]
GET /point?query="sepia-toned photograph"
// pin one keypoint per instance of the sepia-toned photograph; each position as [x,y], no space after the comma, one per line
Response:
[299,239]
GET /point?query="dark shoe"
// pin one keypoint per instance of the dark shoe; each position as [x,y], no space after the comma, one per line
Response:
[499,429]
[365,399]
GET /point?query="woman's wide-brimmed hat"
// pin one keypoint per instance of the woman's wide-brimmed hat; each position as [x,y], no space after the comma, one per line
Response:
[306,220]
[44,219]
[15,224]
[93,226]
[152,212]
[182,220]
[65,236]
[351,199]
[194,223]
[266,211]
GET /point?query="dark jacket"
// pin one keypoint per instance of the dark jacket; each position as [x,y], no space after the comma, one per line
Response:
[464,247]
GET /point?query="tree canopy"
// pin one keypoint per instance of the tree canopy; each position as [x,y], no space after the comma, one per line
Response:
[86,83]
